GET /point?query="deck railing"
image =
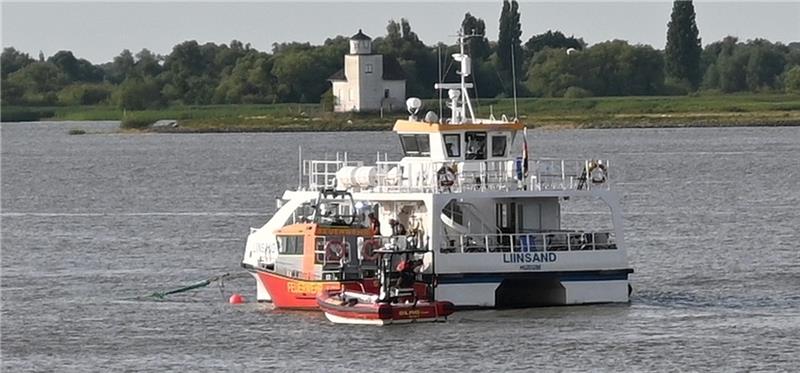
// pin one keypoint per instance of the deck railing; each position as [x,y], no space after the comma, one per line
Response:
[530,242]
[322,174]
[427,176]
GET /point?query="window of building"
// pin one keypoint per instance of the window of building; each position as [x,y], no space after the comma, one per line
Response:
[386,93]
[368,68]
[416,145]
[476,145]
[498,146]
[452,145]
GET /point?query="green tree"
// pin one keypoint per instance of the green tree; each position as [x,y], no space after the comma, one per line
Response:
[120,68]
[12,93]
[85,94]
[191,74]
[509,45]
[299,79]
[250,81]
[76,70]
[755,65]
[792,80]
[613,68]
[551,39]
[40,82]
[137,93]
[147,63]
[683,49]
[417,60]
[13,60]
[764,66]
[477,46]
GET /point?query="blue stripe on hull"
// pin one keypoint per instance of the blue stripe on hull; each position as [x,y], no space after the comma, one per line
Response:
[470,278]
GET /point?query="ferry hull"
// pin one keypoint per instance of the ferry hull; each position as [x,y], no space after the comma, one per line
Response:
[534,290]
[477,290]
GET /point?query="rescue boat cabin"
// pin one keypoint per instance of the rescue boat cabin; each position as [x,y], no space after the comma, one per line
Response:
[325,241]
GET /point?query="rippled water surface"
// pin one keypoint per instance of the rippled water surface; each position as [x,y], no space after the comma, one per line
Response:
[90,222]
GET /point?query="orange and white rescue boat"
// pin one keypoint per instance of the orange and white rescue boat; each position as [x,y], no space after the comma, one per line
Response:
[396,302]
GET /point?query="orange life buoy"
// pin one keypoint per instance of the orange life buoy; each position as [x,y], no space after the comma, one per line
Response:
[335,250]
[368,249]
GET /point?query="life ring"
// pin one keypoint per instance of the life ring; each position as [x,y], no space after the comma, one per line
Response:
[446,176]
[368,249]
[597,172]
[335,250]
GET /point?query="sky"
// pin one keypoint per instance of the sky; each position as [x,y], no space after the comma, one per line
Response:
[98,31]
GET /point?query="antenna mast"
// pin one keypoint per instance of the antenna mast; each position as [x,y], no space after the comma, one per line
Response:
[439,59]
[466,67]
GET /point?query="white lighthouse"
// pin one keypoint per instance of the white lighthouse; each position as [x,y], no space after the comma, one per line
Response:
[367,82]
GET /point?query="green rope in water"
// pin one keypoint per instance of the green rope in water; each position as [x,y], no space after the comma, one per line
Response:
[161,295]
[197,285]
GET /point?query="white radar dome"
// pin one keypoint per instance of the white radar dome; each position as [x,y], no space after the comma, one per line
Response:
[413,104]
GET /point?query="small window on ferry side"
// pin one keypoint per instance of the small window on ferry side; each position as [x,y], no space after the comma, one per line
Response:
[416,145]
[452,145]
[498,146]
[476,145]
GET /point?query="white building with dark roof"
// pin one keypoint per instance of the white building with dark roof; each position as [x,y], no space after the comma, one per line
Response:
[368,82]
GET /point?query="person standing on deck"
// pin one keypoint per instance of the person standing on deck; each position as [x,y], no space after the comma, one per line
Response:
[374,224]
[398,229]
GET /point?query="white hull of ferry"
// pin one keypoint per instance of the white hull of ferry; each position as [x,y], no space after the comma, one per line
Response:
[484,294]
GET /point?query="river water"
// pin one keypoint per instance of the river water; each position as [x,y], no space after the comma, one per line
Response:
[90,222]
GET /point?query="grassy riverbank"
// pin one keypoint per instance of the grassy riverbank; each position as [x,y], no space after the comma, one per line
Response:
[601,112]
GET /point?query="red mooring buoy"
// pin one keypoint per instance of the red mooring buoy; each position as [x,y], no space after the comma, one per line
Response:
[236,299]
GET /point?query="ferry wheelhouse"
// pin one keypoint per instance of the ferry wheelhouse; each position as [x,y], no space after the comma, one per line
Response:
[488,219]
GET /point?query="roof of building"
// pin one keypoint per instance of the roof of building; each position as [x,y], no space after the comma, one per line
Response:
[391,71]
[360,36]
[339,75]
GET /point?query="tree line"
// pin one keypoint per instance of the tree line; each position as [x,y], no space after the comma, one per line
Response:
[547,65]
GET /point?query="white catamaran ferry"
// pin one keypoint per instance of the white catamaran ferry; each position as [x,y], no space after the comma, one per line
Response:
[487,219]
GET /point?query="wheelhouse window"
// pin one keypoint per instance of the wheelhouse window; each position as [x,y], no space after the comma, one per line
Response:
[499,146]
[290,245]
[452,145]
[416,145]
[476,145]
